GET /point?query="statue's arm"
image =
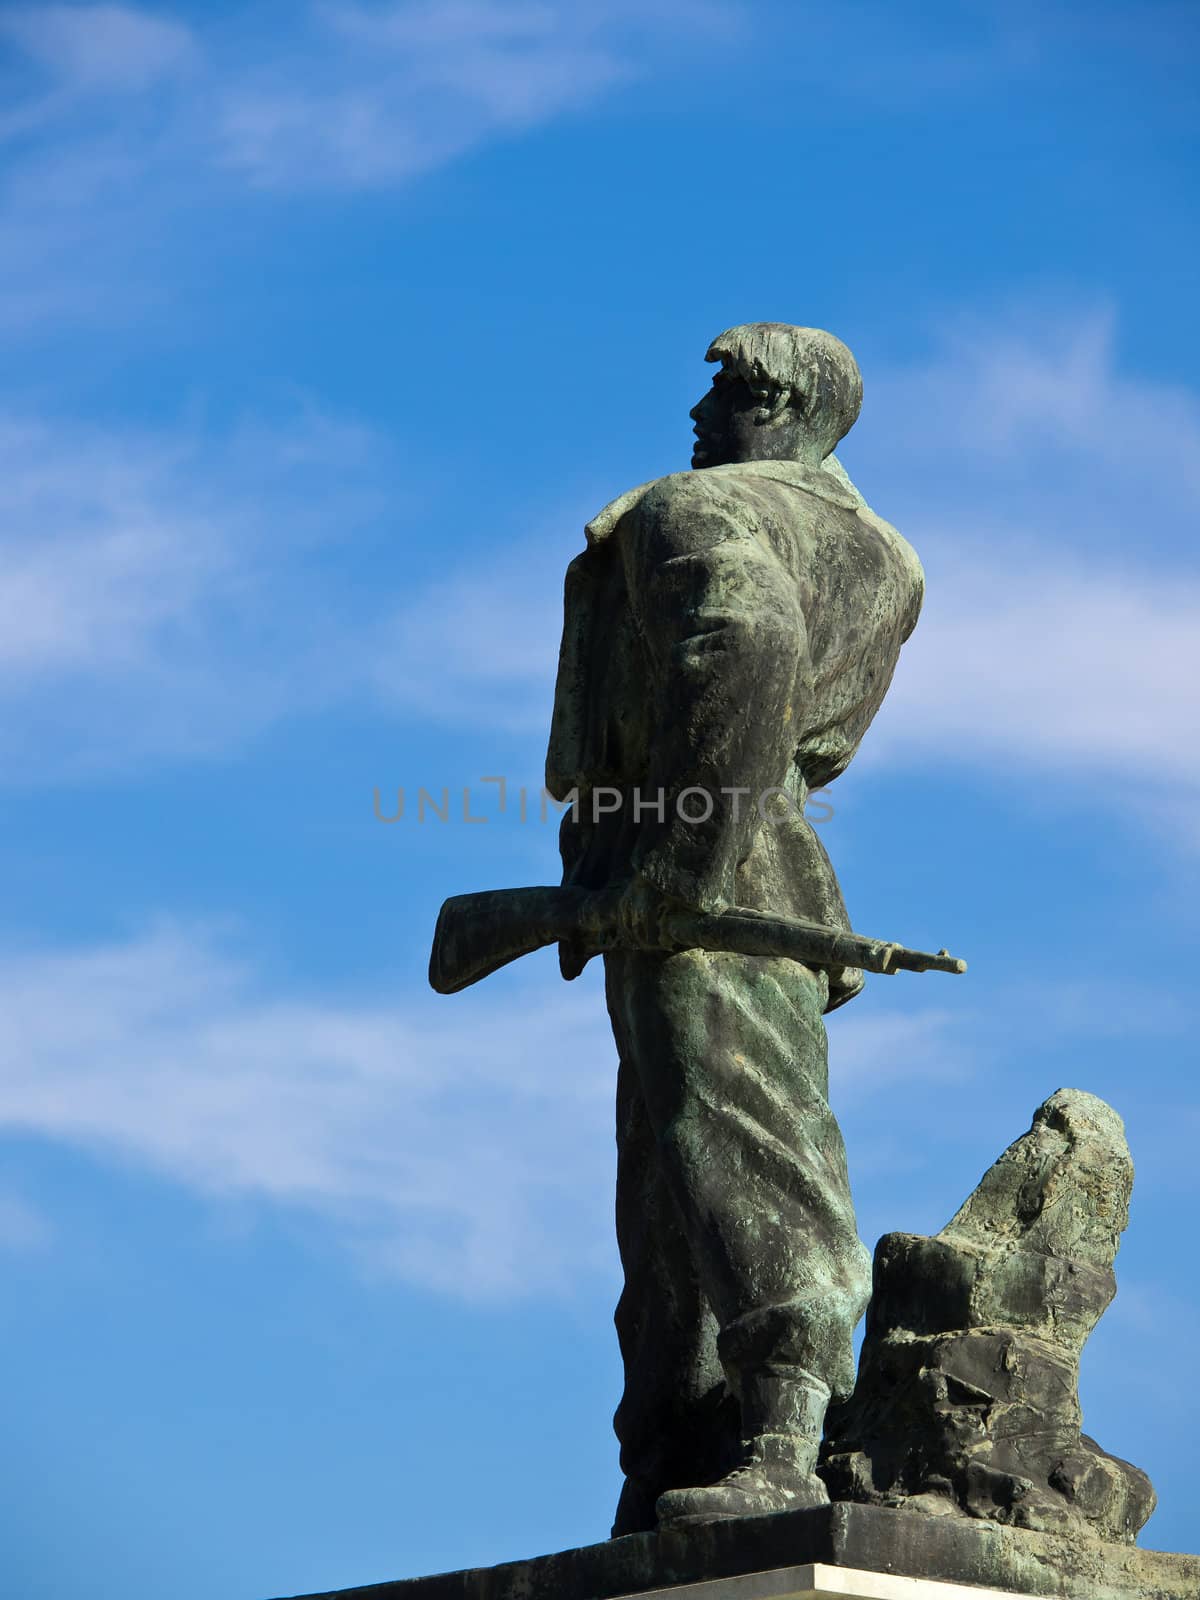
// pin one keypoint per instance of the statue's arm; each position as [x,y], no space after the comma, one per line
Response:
[725,639]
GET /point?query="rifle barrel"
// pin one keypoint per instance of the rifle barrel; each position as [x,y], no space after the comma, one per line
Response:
[754,934]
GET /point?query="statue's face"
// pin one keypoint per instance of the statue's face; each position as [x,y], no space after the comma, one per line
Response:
[725,422]
[736,422]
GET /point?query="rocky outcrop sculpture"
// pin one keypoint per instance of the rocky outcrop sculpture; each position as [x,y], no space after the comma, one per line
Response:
[967,1396]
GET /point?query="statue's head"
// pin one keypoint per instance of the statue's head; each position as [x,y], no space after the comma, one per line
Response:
[782,394]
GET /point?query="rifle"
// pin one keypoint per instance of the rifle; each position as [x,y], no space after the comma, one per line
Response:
[478,933]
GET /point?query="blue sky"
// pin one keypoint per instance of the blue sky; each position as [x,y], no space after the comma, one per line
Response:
[325,328]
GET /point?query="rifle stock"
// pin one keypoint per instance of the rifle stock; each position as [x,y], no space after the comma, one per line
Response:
[476,934]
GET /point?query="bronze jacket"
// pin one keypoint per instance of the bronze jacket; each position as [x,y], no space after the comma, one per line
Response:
[732,628]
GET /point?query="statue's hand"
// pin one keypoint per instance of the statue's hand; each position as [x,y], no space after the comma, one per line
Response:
[633,914]
[641,913]
[629,915]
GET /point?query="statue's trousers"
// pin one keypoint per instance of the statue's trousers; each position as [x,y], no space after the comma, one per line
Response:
[734,1217]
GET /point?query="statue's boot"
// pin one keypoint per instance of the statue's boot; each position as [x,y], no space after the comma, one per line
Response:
[782,1416]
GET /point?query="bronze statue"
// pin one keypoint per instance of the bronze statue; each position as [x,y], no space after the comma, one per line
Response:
[730,633]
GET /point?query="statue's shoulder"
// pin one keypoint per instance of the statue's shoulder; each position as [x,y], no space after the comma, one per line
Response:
[678,493]
[901,551]
[902,564]
[875,527]
[712,491]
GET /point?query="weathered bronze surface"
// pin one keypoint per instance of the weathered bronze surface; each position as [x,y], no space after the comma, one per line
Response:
[729,634]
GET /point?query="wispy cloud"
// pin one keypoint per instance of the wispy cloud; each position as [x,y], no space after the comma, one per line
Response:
[875,1047]
[1050,493]
[376,1120]
[477,649]
[99,48]
[126,130]
[157,590]
[379,1120]
[1034,415]
[100,555]
[361,95]
[1055,665]
[94,141]
[166,593]
[395,91]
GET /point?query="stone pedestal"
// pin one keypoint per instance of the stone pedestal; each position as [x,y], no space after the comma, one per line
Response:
[857,1552]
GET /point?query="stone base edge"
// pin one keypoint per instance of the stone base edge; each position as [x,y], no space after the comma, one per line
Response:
[974,1555]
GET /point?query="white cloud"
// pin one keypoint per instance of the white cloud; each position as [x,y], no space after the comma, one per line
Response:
[1034,401]
[170,593]
[463,1144]
[478,648]
[381,94]
[123,145]
[351,95]
[1050,666]
[870,1047]
[1050,493]
[158,591]
[100,47]
[97,558]
[467,1158]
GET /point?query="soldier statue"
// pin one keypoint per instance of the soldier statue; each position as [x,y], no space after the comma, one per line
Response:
[729,634]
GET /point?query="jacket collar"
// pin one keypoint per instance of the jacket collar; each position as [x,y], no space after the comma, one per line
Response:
[829,481]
